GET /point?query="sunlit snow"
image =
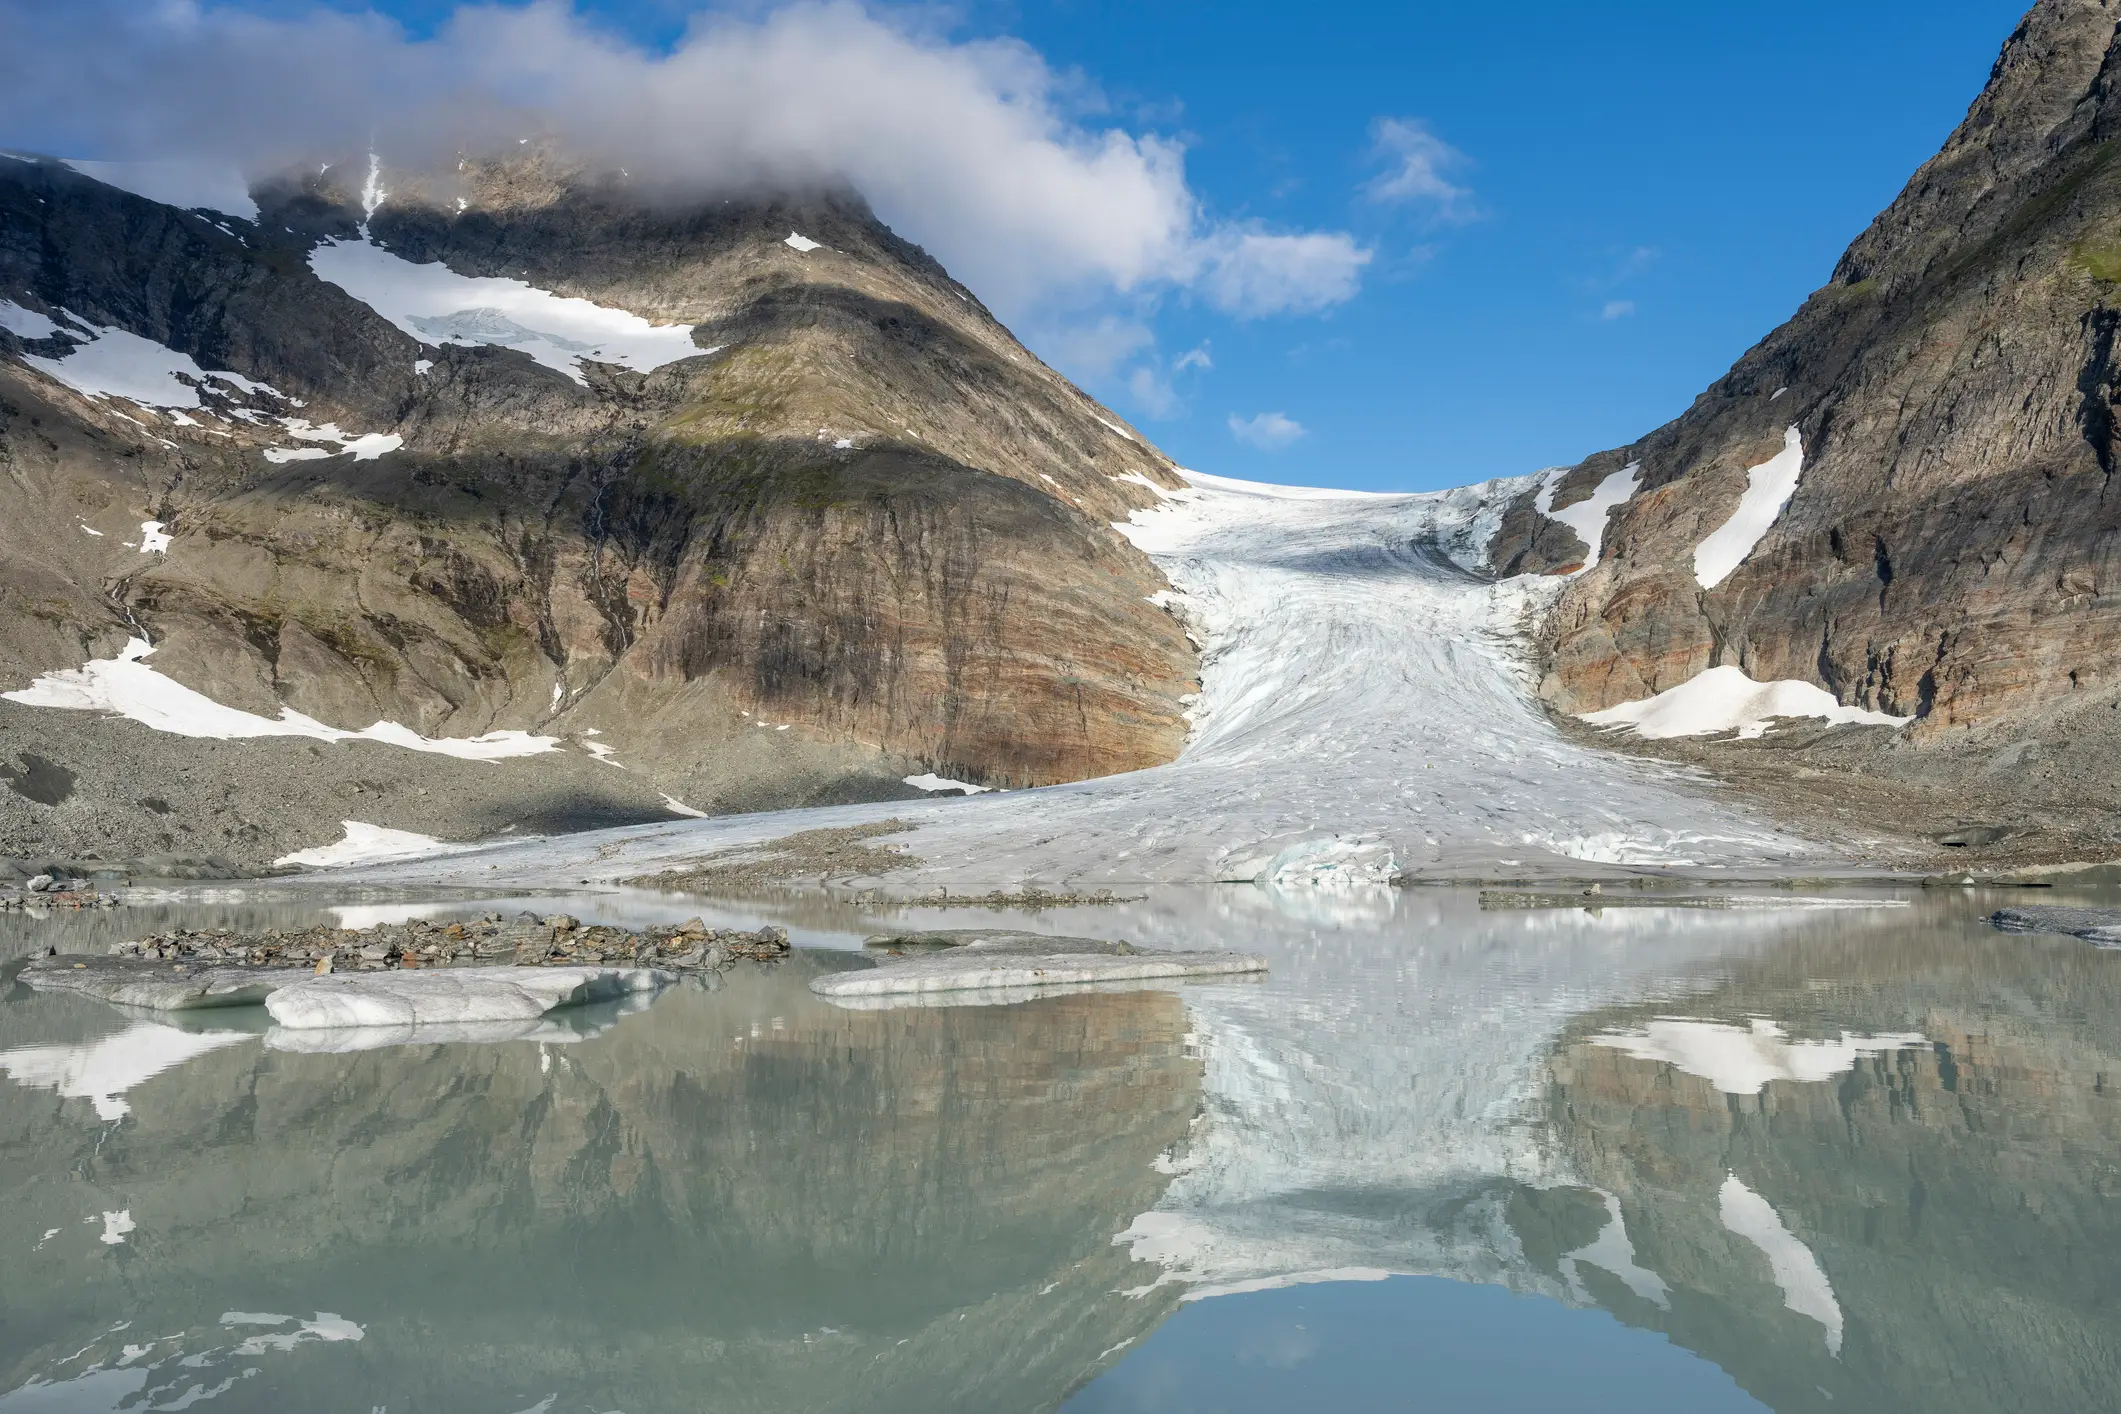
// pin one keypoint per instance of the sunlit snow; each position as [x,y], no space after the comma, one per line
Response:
[436,305]
[1588,517]
[1768,488]
[931,782]
[154,540]
[128,687]
[800,242]
[363,843]
[1725,699]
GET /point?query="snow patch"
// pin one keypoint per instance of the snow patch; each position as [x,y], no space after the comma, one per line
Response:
[679,807]
[1743,1060]
[929,781]
[116,1226]
[368,844]
[127,686]
[154,540]
[798,241]
[1768,488]
[26,323]
[1588,517]
[436,305]
[110,362]
[365,446]
[1725,699]
[1115,427]
[188,186]
[1805,1288]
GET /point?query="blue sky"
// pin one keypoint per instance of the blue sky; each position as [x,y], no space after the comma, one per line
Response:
[1608,202]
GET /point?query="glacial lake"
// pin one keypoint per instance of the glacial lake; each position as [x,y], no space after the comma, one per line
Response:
[1787,1156]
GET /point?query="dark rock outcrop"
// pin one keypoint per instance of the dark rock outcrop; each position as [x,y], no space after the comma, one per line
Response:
[1949,552]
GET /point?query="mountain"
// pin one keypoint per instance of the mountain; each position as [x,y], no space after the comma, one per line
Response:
[744,496]
[1947,405]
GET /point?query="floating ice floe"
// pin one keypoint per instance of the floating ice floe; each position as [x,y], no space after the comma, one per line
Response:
[1588,517]
[1725,699]
[1004,962]
[436,305]
[455,996]
[1742,1060]
[128,687]
[1768,488]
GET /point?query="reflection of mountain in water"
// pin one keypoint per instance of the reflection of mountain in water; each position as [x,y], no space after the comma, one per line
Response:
[746,1200]
[1948,1211]
[1850,1220]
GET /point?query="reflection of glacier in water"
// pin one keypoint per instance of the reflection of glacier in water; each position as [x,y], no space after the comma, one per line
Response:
[1369,1109]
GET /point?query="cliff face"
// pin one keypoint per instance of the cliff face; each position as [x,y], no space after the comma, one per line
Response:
[848,502]
[1949,551]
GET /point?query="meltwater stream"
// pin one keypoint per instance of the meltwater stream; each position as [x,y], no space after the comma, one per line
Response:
[1788,1155]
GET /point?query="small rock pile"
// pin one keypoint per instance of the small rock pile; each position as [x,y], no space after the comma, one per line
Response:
[527,941]
[55,891]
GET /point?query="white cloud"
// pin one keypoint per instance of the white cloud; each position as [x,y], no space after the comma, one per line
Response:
[1617,309]
[1417,161]
[978,150]
[1094,351]
[1251,273]
[1196,357]
[1152,392]
[1269,431]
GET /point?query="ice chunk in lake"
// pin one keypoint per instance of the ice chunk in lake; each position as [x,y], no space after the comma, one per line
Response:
[453,997]
[436,305]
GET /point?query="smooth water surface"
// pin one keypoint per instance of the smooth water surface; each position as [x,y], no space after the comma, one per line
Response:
[1442,1158]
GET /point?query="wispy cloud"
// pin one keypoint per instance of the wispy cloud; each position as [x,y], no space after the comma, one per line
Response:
[1416,163]
[1617,309]
[1196,357]
[1268,431]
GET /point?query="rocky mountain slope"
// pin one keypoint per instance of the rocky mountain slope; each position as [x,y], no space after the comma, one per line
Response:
[1947,401]
[745,497]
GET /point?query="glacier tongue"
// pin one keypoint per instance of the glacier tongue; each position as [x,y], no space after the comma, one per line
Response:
[1366,710]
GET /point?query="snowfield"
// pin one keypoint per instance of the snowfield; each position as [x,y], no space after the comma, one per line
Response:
[1366,710]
